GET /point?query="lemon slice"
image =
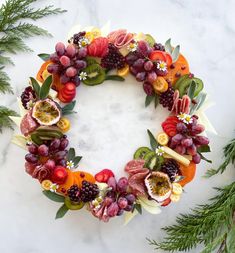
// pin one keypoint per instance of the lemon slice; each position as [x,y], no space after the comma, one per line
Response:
[46,184]
[160,84]
[177,188]
[175,197]
[162,139]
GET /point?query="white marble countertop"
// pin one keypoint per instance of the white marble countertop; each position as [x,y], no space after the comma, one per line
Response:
[112,121]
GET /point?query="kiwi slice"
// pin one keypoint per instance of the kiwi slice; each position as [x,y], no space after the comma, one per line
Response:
[148,157]
[72,205]
[141,152]
[152,163]
[91,60]
[184,82]
[95,74]
[149,38]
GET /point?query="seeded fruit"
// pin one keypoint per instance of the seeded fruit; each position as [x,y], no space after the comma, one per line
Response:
[95,75]
[46,112]
[64,124]
[141,152]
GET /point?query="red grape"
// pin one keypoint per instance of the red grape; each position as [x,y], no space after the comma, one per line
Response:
[112,183]
[43,150]
[148,65]
[152,76]
[143,48]
[122,184]
[113,209]
[133,70]
[64,144]
[70,51]
[187,142]
[53,68]
[180,149]
[122,202]
[55,144]
[71,72]
[131,58]
[181,127]
[31,158]
[148,88]
[177,139]
[129,208]
[82,52]
[80,64]
[54,58]
[108,201]
[50,164]
[197,158]
[197,129]
[130,198]
[201,140]
[60,155]
[120,212]
[60,48]
[140,77]
[192,150]
[64,79]
[33,149]
[76,80]
[139,64]
[65,61]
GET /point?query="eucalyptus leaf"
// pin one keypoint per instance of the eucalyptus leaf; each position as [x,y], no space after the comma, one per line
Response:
[45,88]
[36,86]
[44,57]
[61,212]
[156,101]
[168,46]
[202,100]
[53,196]
[148,100]
[68,109]
[204,158]
[71,154]
[153,141]
[204,149]
[138,208]
[76,160]
[175,54]
[114,78]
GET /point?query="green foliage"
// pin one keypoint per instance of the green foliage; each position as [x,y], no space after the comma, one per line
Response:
[14,29]
[229,155]
[5,121]
[208,224]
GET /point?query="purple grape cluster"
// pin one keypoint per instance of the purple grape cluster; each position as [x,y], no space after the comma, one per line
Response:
[68,62]
[55,150]
[118,199]
[187,140]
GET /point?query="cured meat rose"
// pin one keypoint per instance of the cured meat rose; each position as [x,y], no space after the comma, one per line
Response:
[28,124]
[181,105]
[137,174]
[120,38]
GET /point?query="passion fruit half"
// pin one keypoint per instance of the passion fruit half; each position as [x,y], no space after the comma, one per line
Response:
[158,185]
[46,112]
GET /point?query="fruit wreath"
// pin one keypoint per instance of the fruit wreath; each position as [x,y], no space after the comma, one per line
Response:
[157,174]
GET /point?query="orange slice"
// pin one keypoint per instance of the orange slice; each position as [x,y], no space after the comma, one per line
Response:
[188,172]
[82,175]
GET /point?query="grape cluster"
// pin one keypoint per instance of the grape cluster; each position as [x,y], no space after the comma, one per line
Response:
[77,37]
[67,62]
[118,199]
[54,151]
[187,139]
[158,46]
[113,59]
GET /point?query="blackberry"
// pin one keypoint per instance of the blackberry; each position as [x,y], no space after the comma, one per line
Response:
[158,46]
[171,168]
[27,96]
[76,37]
[89,191]
[74,193]
[113,59]
[166,99]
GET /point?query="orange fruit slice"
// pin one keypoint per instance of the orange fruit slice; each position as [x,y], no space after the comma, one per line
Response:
[123,71]
[160,84]
[67,184]
[39,76]
[188,172]
[178,69]
[82,175]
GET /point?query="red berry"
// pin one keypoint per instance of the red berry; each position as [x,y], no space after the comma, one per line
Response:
[59,175]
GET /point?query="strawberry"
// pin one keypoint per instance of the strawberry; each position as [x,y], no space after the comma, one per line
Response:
[98,47]
[157,55]
[169,126]
[168,59]
[104,175]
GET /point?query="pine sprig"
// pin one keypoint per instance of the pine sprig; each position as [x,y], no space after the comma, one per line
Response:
[5,121]
[208,224]
[229,157]
[14,29]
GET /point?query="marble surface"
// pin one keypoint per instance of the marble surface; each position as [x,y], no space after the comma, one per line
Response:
[112,121]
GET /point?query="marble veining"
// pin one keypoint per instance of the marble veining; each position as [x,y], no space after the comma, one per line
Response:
[111,123]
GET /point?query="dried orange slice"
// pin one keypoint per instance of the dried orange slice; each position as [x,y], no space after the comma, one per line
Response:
[64,124]
[160,84]
[46,184]
[123,71]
